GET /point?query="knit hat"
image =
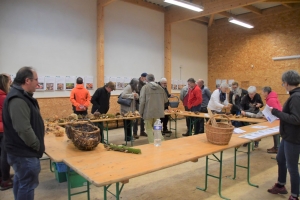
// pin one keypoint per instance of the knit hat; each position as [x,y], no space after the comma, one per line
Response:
[144,74]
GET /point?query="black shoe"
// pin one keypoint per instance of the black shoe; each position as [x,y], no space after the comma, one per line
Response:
[136,136]
[186,134]
[166,131]
[143,134]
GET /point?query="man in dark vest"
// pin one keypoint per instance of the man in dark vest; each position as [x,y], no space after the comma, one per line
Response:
[24,133]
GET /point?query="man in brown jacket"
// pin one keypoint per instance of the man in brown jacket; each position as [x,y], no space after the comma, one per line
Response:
[152,101]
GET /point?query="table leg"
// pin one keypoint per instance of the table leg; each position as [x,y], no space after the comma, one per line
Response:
[131,136]
[170,122]
[220,160]
[118,191]
[241,166]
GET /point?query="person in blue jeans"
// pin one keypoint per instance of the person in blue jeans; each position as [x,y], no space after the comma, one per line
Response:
[24,133]
[289,149]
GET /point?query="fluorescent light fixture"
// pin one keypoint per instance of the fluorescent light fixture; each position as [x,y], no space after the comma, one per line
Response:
[186,4]
[286,57]
[235,21]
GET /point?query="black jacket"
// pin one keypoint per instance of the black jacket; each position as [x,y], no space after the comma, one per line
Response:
[290,118]
[14,145]
[249,105]
[100,100]
[140,85]
[237,105]
[168,95]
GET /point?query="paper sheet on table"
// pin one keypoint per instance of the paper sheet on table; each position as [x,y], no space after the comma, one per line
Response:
[259,127]
[267,112]
[206,115]
[238,131]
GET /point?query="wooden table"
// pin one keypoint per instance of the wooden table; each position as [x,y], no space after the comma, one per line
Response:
[103,168]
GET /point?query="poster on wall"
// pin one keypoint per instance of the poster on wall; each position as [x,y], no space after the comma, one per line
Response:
[230,81]
[174,84]
[119,83]
[106,79]
[49,82]
[126,81]
[224,81]
[70,82]
[89,80]
[12,77]
[59,83]
[181,84]
[218,83]
[41,84]
[113,79]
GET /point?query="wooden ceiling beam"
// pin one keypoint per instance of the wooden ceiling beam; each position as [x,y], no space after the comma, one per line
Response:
[199,22]
[253,9]
[146,4]
[287,5]
[177,14]
[225,14]
[104,2]
[283,1]
[211,20]
[203,19]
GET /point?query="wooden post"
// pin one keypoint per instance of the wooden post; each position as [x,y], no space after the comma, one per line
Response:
[168,54]
[100,44]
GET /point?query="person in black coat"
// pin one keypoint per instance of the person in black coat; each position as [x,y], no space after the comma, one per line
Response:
[289,149]
[100,101]
[165,120]
[235,97]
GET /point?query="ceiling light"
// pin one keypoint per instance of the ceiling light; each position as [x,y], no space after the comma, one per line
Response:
[186,4]
[235,21]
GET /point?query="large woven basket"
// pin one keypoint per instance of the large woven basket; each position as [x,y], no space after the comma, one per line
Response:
[221,134]
[85,136]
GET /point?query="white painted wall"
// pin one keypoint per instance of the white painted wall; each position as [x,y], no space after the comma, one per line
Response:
[56,37]
[134,40]
[189,51]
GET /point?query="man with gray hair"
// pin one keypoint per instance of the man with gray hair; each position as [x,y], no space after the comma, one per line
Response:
[165,120]
[205,99]
[152,101]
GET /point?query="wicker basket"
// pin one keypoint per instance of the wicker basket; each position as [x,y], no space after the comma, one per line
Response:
[220,135]
[85,136]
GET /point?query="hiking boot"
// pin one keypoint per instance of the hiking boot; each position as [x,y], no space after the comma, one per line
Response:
[272,150]
[143,134]
[6,184]
[278,190]
[293,198]
[135,136]
[167,131]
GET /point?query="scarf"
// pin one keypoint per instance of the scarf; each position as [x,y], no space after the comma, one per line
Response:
[222,96]
[236,93]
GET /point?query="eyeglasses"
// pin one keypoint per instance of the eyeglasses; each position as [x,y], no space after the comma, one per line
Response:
[282,84]
[36,79]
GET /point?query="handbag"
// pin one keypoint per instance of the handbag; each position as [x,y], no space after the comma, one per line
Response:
[123,101]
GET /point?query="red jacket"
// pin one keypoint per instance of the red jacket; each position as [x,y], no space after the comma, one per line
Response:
[195,97]
[2,98]
[272,101]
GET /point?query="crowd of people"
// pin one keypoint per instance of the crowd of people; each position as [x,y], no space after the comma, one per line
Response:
[22,126]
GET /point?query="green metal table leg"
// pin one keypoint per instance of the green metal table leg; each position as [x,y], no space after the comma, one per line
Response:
[51,167]
[234,167]
[106,129]
[220,160]
[118,191]
[131,136]
[248,168]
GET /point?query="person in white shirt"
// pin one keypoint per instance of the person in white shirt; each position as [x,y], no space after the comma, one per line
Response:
[218,99]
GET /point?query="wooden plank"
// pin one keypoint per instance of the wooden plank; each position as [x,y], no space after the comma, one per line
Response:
[177,14]
[199,22]
[212,119]
[105,2]
[146,4]
[283,1]
[168,54]
[253,9]
[287,5]
[211,20]
[100,45]
[225,14]
[203,19]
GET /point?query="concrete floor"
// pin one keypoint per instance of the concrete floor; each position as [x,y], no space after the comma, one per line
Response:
[178,182]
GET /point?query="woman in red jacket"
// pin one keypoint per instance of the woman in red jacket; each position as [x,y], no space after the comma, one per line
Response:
[5,179]
[272,101]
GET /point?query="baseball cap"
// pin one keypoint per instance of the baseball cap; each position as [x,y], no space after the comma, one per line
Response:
[144,74]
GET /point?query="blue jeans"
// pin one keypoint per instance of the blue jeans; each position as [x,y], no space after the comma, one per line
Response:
[26,177]
[196,120]
[287,159]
